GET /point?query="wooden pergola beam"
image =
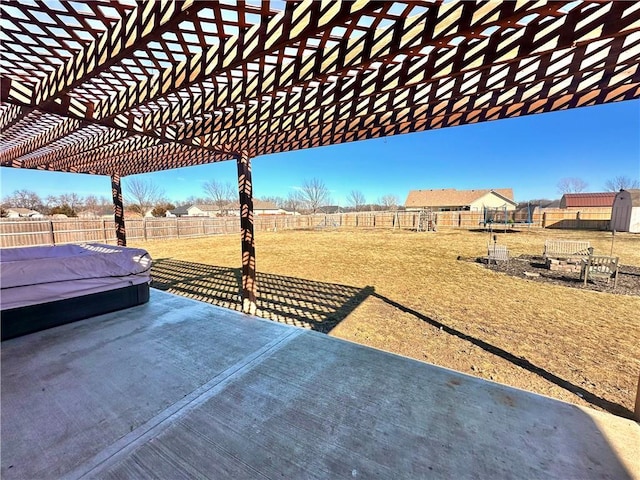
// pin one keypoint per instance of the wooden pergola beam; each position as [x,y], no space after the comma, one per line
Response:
[509,86]
[90,139]
[118,42]
[10,115]
[295,23]
[462,59]
[62,129]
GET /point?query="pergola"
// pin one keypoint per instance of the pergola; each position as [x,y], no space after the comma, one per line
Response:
[120,88]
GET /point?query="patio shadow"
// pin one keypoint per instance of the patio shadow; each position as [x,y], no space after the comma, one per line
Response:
[304,303]
[521,362]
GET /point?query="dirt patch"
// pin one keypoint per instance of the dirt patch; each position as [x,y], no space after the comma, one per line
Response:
[533,267]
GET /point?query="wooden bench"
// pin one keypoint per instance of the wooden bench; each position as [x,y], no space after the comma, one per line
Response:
[600,266]
[497,253]
[566,249]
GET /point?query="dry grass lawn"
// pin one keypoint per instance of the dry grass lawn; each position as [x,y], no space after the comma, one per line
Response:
[576,345]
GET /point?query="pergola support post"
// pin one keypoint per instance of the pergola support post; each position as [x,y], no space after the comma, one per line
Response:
[249,285]
[118,210]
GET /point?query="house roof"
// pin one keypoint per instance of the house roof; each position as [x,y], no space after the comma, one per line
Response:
[183,210]
[22,211]
[205,207]
[262,205]
[597,199]
[257,205]
[151,86]
[450,197]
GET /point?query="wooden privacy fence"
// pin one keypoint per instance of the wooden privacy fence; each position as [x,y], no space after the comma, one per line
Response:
[23,232]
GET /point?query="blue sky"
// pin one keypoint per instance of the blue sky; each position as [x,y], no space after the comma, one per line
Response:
[529,154]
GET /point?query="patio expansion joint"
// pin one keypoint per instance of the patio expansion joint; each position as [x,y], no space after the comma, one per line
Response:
[150,429]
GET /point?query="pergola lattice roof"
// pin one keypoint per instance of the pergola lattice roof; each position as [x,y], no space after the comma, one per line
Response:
[119,87]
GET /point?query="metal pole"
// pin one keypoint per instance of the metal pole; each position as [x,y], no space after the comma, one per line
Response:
[245,187]
[613,237]
[118,209]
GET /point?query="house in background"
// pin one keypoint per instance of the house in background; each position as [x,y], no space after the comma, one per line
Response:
[88,214]
[19,212]
[625,214]
[587,200]
[260,207]
[203,210]
[450,199]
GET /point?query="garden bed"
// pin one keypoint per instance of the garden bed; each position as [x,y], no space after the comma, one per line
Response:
[534,268]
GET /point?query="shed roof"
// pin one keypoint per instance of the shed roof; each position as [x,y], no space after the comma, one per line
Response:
[122,87]
[634,193]
[448,197]
[597,199]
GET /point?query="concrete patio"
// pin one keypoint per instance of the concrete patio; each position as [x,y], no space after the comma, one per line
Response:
[182,389]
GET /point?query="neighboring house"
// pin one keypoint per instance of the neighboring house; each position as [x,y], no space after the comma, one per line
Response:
[450,199]
[203,210]
[88,214]
[260,207]
[233,209]
[178,212]
[625,215]
[587,200]
[19,212]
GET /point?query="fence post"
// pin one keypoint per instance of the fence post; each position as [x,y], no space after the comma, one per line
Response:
[144,228]
[53,238]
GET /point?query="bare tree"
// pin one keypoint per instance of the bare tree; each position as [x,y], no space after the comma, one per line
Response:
[389,202]
[51,201]
[314,193]
[293,201]
[356,199]
[24,199]
[192,200]
[276,200]
[105,205]
[221,194]
[142,195]
[571,185]
[73,200]
[621,183]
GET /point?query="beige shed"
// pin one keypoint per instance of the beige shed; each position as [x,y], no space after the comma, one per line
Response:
[625,216]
